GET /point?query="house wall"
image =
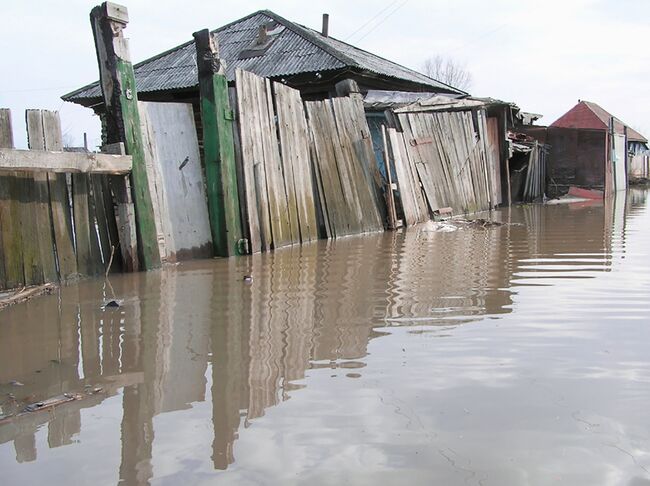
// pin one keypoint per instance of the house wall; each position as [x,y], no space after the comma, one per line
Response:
[576,158]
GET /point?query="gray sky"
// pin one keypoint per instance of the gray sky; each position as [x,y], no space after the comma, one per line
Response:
[542,55]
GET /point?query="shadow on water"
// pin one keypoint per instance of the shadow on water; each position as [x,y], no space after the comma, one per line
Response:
[198,337]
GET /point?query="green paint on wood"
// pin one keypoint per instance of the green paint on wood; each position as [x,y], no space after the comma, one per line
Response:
[219,149]
[145,222]
[219,154]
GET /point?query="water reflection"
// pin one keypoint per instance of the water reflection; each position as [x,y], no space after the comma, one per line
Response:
[198,333]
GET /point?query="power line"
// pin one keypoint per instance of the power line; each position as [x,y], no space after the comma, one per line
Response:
[382,20]
[370,20]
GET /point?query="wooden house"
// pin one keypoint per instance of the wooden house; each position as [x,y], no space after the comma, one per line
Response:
[268,45]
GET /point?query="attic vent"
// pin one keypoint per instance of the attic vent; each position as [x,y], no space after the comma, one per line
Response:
[266,35]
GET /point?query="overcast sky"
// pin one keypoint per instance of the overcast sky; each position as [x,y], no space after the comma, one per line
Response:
[542,55]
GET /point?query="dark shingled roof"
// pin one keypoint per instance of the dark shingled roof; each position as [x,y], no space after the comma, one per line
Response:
[294,50]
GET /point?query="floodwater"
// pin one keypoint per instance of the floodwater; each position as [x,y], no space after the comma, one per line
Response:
[512,355]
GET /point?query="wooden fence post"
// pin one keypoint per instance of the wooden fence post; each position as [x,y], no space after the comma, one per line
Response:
[11,263]
[122,118]
[218,147]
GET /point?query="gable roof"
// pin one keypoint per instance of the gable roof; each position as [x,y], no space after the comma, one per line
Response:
[587,114]
[295,50]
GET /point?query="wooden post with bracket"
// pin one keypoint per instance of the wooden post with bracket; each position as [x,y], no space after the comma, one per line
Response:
[122,119]
[219,149]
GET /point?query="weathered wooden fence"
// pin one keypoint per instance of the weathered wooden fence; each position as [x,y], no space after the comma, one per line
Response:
[286,191]
[453,158]
[57,218]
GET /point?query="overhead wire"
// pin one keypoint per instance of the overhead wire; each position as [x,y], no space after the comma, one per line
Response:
[371,19]
[404,2]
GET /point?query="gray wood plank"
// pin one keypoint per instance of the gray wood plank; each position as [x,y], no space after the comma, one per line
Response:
[42,213]
[176,175]
[59,201]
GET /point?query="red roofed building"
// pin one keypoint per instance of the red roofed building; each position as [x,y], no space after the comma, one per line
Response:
[587,114]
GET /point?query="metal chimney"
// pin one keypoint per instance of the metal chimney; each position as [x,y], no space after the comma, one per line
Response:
[326,25]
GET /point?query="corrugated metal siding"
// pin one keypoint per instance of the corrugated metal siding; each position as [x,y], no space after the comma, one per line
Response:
[295,50]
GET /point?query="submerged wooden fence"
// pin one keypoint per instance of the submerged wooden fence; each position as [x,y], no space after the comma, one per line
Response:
[287,192]
[453,157]
[57,218]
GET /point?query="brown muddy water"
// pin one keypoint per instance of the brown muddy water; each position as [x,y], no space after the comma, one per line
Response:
[515,355]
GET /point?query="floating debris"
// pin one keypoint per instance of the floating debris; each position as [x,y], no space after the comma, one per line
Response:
[25,294]
[16,383]
[454,224]
[112,304]
[52,402]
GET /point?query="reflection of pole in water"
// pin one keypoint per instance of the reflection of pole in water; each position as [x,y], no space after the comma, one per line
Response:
[230,359]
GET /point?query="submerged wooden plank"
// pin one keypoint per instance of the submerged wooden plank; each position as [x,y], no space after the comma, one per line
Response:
[99,209]
[289,144]
[11,267]
[24,192]
[85,235]
[322,129]
[239,172]
[257,220]
[406,190]
[294,143]
[177,176]
[59,201]
[42,218]
[367,158]
[423,169]
[278,206]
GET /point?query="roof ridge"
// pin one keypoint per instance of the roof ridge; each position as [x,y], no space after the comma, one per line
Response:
[312,36]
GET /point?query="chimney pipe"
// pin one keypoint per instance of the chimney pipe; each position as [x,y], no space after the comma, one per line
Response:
[326,25]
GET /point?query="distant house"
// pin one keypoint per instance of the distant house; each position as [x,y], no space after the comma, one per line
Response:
[585,152]
[271,46]
[587,114]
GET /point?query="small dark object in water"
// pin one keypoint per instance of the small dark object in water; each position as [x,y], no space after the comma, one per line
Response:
[112,303]
[184,163]
[248,278]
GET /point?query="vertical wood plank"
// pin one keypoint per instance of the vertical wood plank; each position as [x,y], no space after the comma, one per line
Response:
[248,172]
[6,141]
[250,97]
[239,172]
[111,224]
[82,227]
[59,200]
[98,200]
[278,210]
[295,150]
[42,219]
